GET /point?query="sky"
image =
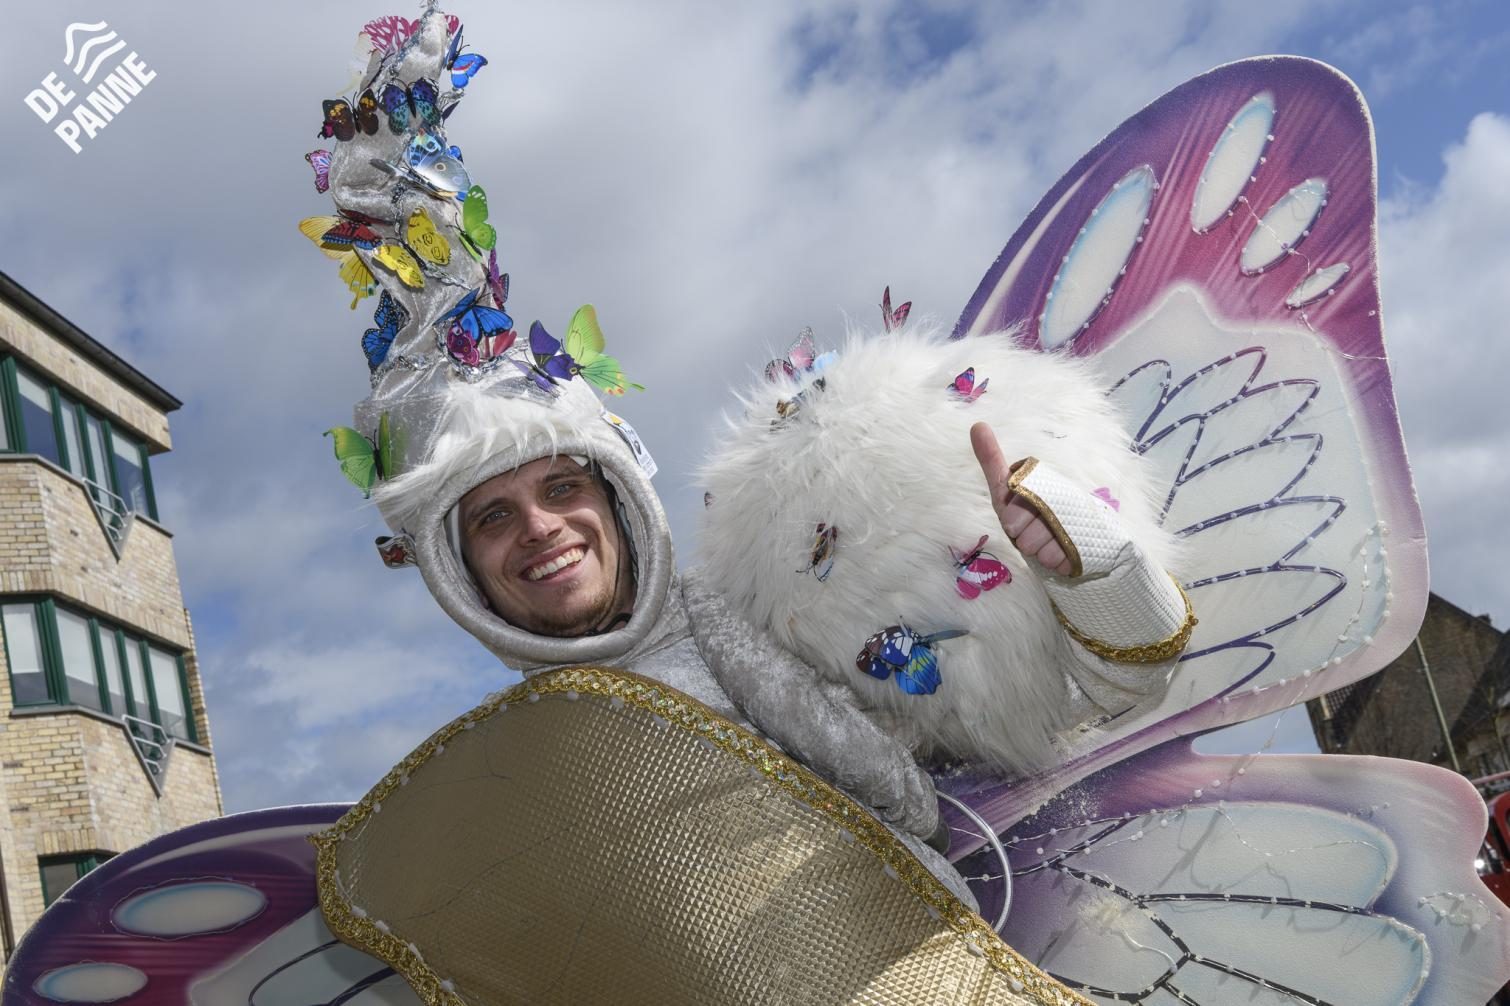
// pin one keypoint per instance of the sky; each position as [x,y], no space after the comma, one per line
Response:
[712,177]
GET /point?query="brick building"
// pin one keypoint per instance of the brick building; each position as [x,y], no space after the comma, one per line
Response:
[1392,713]
[104,742]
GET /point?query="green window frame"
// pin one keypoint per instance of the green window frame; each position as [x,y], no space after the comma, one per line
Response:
[55,872]
[88,444]
[142,668]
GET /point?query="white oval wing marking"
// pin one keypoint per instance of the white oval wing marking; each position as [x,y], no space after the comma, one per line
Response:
[1232,161]
[90,982]
[1282,228]
[1085,280]
[1317,285]
[189,909]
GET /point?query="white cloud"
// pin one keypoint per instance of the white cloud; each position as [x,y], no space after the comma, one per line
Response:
[1444,262]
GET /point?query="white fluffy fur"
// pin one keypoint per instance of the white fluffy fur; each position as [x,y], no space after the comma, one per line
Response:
[883,454]
[478,423]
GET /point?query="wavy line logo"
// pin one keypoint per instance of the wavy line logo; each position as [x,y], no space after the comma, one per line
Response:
[87,49]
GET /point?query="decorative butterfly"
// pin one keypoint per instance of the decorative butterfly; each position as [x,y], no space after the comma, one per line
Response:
[342,124]
[786,408]
[340,233]
[548,364]
[400,261]
[362,460]
[1104,494]
[428,242]
[390,317]
[977,570]
[821,557]
[584,347]
[477,235]
[965,387]
[707,499]
[389,33]
[893,320]
[405,105]
[478,321]
[432,166]
[465,68]
[900,650]
[801,358]
[497,282]
[320,161]
[397,550]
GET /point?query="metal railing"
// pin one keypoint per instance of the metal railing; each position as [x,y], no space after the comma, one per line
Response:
[153,745]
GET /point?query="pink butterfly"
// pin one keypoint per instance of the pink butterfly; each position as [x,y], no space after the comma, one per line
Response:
[388,33]
[1104,495]
[964,386]
[977,570]
[803,357]
[320,161]
[497,282]
[893,320]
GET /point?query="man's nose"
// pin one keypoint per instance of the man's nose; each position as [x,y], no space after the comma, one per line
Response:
[540,523]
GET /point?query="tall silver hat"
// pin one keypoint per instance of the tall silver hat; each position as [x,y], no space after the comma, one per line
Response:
[457,395]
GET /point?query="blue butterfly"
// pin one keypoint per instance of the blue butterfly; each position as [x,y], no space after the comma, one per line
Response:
[405,104]
[390,317]
[478,320]
[550,362]
[903,651]
[465,68]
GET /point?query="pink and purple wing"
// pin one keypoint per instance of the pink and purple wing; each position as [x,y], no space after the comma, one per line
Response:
[985,572]
[319,160]
[224,911]
[803,351]
[1174,877]
[1214,259]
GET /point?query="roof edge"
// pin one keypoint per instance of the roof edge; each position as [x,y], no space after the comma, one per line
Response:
[33,307]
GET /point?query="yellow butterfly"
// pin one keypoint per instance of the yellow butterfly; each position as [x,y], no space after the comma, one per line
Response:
[354,273]
[398,259]
[427,242]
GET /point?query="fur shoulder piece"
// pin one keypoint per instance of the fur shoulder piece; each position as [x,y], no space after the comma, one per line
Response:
[841,502]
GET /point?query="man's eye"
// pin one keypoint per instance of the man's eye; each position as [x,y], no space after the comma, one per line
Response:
[493,516]
[560,489]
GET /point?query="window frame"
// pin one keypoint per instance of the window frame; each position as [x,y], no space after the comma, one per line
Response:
[102,633]
[102,472]
[84,863]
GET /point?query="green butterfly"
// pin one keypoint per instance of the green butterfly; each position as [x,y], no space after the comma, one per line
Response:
[363,462]
[584,344]
[477,235]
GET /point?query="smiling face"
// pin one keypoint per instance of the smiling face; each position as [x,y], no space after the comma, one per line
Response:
[542,543]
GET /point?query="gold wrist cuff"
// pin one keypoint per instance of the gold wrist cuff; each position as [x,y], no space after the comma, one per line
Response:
[1147,653]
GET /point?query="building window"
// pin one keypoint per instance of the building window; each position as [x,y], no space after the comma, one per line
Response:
[47,422]
[60,872]
[58,656]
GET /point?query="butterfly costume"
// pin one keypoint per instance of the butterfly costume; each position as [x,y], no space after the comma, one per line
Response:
[671,852]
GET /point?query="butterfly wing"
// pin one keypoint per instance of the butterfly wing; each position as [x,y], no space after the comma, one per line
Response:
[426,240]
[584,339]
[423,97]
[920,675]
[1261,404]
[338,120]
[465,68]
[356,455]
[319,160]
[390,316]
[497,282]
[474,220]
[367,113]
[397,259]
[869,658]
[1275,879]
[357,277]
[986,572]
[485,322]
[282,953]
[395,102]
[803,352]
[315,228]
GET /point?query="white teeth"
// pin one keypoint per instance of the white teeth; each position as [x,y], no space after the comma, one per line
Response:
[558,563]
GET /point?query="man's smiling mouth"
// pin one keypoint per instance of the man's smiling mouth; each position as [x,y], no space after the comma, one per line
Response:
[570,557]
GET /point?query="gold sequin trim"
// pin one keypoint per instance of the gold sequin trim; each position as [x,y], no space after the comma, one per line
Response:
[1148,653]
[687,714]
[1045,513]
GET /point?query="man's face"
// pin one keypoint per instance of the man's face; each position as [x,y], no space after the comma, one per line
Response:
[543,545]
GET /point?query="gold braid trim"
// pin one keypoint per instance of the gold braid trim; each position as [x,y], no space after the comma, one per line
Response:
[1147,653]
[687,714]
[1045,513]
